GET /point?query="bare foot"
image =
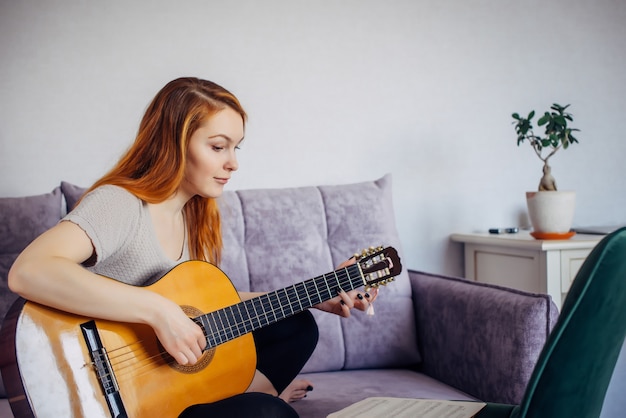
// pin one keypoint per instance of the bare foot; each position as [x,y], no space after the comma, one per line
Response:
[296,390]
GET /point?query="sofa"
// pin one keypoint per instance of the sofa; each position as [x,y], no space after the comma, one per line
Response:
[431,336]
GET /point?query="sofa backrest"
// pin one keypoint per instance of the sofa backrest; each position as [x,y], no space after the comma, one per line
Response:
[276,237]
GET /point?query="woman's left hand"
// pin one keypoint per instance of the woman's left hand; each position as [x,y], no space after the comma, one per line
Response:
[344,301]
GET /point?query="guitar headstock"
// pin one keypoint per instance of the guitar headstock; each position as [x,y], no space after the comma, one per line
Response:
[379,266]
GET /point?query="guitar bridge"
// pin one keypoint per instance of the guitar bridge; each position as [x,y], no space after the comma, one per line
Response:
[104,371]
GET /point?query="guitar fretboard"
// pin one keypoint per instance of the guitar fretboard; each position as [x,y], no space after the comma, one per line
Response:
[236,320]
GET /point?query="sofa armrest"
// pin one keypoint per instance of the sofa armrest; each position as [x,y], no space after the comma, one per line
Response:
[480,338]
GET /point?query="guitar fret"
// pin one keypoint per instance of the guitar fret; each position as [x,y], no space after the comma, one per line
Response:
[239,327]
[273,300]
[254,318]
[345,282]
[225,325]
[293,300]
[301,297]
[317,292]
[292,297]
[303,286]
[241,319]
[209,331]
[289,307]
[247,315]
[268,311]
[258,307]
[204,324]
[222,326]
[265,305]
[327,287]
[215,328]
[218,334]
[337,280]
[306,291]
[235,320]
[228,313]
[261,313]
[281,304]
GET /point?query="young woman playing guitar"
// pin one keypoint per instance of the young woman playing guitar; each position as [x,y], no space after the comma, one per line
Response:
[155,209]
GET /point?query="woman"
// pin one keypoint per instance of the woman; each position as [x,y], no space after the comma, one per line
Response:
[153,210]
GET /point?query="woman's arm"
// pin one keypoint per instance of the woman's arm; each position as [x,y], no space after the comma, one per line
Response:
[48,271]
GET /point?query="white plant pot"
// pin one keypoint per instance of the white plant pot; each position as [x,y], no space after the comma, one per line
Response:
[551,211]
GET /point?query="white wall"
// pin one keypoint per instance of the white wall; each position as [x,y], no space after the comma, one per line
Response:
[337,92]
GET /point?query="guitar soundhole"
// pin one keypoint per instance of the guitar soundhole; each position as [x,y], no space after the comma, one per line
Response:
[202,362]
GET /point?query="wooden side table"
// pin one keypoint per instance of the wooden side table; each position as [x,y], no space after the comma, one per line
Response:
[523,262]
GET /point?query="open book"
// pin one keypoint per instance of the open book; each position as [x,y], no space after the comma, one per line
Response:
[384,407]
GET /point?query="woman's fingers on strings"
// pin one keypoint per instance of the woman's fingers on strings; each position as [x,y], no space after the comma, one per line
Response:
[361,299]
[181,358]
[190,355]
[202,343]
[188,350]
[345,303]
[373,294]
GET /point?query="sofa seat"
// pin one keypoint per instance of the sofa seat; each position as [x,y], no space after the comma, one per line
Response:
[5,409]
[339,389]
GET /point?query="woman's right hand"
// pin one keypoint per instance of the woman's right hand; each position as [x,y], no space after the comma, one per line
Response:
[181,337]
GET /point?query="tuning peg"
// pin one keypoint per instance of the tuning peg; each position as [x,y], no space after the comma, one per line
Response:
[368,251]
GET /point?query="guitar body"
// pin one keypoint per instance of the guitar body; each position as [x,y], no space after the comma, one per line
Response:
[58,377]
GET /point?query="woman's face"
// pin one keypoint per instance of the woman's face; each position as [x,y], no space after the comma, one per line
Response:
[211,154]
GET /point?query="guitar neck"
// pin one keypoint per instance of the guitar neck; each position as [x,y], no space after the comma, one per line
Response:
[236,320]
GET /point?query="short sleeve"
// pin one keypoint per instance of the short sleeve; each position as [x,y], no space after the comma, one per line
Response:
[109,215]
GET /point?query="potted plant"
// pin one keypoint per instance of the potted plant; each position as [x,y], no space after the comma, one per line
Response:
[551,211]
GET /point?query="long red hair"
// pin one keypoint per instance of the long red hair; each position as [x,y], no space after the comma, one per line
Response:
[153,167]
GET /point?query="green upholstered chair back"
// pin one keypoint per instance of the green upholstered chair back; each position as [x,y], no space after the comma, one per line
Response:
[574,369]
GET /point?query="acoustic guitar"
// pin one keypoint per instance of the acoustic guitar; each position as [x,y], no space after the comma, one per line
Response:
[56,364]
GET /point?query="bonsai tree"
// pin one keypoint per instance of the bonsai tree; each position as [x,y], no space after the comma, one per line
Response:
[557,135]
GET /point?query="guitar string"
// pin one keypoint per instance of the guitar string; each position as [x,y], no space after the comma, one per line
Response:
[128,362]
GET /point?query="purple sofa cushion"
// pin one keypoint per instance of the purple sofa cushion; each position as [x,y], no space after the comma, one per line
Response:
[72,194]
[23,219]
[463,323]
[276,237]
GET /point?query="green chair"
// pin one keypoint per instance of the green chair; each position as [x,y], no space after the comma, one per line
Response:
[574,369]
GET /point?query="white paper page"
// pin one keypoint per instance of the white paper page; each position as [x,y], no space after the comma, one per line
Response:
[381,407]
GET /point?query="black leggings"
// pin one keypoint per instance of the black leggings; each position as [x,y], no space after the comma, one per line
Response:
[282,350]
